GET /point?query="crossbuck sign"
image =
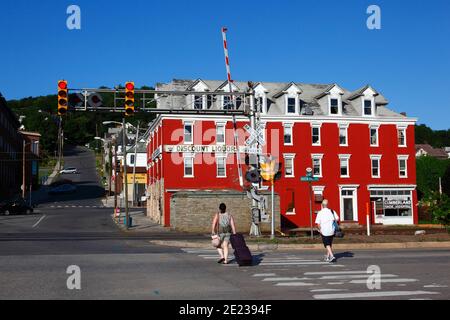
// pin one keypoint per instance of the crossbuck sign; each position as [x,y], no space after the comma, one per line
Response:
[256,135]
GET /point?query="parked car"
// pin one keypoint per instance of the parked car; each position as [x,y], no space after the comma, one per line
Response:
[16,206]
[63,189]
[69,171]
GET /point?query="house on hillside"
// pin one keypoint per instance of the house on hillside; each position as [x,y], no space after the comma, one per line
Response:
[425,150]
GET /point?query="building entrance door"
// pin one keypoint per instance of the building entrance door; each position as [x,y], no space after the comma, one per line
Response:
[349,204]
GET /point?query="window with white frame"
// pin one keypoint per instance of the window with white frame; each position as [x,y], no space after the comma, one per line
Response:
[403,166]
[289,165]
[317,165]
[343,135]
[220,133]
[375,165]
[316,135]
[188,132]
[344,165]
[368,107]
[198,102]
[291,105]
[189,166]
[401,135]
[221,162]
[261,102]
[227,103]
[288,137]
[374,136]
[334,106]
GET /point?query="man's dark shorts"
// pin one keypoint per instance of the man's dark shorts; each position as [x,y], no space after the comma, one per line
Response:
[327,241]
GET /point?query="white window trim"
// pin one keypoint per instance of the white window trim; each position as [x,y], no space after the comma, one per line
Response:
[339,99]
[203,97]
[317,157]
[297,104]
[289,125]
[191,157]
[377,128]
[319,126]
[344,157]
[404,128]
[187,123]
[405,158]
[375,157]
[372,100]
[224,157]
[224,125]
[264,102]
[345,127]
[289,156]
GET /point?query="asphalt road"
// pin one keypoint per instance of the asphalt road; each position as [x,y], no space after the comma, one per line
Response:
[75,230]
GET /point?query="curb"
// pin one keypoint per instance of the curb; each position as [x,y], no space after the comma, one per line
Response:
[288,247]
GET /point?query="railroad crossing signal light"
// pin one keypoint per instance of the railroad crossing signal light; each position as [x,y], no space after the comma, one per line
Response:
[129,98]
[63,97]
[269,170]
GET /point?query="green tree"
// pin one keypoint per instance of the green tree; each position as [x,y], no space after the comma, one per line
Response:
[440,208]
[429,169]
[446,181]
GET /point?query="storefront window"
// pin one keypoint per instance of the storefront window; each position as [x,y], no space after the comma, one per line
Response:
[392,203]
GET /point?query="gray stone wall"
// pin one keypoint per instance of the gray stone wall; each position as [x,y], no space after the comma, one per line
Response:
[193,211]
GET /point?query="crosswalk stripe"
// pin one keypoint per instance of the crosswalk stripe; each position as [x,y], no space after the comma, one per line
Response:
[346,276]
[264,275]
[285,279]
[291,263]
[371,294]
[335,272]
[328,290]
[295,284]
[385,281]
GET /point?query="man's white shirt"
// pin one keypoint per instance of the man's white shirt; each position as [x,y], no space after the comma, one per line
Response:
[326,221]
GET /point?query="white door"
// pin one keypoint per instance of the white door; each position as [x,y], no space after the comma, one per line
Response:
[349,204]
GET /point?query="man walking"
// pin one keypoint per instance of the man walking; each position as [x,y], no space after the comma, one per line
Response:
[326,223]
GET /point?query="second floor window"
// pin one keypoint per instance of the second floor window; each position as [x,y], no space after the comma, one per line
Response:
[221,167]
[289,166]
[189,167]
[344,165]
[374,136]
[316,136]
[375,167]
[288,134]
[401,133]
[317,166]
[220,136]
[343,136]
[188,132]
[403,167]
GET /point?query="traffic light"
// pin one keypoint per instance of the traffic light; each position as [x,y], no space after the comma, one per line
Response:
[129,98]
[63,97]
[269,170]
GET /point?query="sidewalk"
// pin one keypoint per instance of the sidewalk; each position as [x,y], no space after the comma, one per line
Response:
[140,222]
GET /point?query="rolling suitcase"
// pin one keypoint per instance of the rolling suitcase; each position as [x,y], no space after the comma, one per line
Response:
[242,253]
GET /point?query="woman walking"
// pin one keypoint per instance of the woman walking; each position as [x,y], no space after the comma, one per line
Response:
[223,226]
[326,222]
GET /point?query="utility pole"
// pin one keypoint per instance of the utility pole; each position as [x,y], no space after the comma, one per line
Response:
[23,171]
[115,176]
[134,166]
[124,146]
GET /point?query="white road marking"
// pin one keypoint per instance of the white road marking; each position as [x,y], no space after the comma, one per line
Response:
[295,284]
[371,294]
[335,283]
[355,276]
[40,220]
[385,281]
[264,275]
[291,263]
[435,286]
[335,272]
[285,279]
[328,290]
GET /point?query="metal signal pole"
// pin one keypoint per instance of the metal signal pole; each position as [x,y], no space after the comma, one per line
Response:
[124,146]
[134,165]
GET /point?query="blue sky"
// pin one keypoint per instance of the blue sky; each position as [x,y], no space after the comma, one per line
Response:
[408,60]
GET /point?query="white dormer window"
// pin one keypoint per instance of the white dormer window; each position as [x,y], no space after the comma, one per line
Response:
[227,103]
[334,106]
[368,107]
[291,106]
[261,104]
[198,102]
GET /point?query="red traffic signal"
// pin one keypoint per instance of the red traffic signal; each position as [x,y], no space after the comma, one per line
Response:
[63,97]
[129,98]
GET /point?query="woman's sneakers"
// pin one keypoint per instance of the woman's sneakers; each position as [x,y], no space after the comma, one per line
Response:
[330,259]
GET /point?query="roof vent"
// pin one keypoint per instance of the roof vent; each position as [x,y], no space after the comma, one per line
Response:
[307,111]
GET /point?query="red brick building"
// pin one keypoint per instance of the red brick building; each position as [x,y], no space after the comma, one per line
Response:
[362,151]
